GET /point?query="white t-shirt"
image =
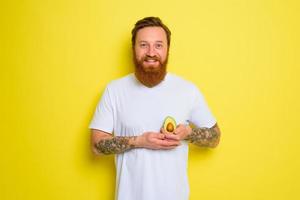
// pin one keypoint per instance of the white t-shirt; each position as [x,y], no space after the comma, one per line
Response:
[128,108]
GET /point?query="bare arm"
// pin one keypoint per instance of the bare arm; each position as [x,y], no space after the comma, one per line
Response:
[205,137]
[106,143]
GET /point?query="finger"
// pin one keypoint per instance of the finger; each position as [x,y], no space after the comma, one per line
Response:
[160,136]
[179,126]
[163,131]
[172,137]
[166,143]
[166,147]
[177,130]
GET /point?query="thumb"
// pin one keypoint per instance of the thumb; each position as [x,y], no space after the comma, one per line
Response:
[162,130]
[160,136]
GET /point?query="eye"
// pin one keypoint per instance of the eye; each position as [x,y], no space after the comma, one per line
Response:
[158,46]
[143,45]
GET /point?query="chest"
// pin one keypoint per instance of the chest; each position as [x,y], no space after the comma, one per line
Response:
[141,110]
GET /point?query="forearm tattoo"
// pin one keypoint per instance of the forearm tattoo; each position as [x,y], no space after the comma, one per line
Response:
[115,145]
[204,137]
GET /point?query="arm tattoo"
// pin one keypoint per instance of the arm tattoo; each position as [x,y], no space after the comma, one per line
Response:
[117,144]
[204,137]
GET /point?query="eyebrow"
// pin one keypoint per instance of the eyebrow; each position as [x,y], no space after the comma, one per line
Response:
[158,41]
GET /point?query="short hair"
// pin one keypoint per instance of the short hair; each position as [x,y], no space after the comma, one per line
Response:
[149,22]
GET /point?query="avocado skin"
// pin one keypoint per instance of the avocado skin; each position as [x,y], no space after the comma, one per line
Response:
[169,124]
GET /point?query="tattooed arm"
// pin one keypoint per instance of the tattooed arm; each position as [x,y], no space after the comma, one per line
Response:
[205,137]
[106,143]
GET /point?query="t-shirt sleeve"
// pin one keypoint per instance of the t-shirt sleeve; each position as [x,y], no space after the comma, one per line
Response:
[201,115]
[103,115]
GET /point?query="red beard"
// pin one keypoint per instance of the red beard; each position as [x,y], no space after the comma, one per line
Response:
[150,76]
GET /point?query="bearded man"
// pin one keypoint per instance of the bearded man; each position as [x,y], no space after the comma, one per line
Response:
[130,121]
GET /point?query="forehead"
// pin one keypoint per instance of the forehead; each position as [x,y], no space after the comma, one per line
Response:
[151,34]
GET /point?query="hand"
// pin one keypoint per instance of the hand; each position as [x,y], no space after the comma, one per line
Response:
[180,133]
[155,140]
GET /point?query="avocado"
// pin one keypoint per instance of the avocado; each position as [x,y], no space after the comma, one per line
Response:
[169,124]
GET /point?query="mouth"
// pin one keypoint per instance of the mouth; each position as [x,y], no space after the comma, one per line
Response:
[150,61]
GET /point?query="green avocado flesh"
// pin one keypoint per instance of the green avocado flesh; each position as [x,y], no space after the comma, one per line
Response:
[169,124]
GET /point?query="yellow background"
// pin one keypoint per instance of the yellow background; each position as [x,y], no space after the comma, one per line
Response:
[57,56]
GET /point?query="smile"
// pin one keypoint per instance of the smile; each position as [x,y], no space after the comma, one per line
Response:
[151,60]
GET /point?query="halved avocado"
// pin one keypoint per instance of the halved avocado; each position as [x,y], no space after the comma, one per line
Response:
[169,124]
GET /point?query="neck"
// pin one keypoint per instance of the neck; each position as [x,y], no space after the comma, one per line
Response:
[150,79]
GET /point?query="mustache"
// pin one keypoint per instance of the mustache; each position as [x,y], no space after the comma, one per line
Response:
[156,58]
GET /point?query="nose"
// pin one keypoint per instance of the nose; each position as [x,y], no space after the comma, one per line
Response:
[151,51]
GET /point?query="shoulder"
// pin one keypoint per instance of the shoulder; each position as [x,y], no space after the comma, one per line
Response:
[120,83]
[181,82]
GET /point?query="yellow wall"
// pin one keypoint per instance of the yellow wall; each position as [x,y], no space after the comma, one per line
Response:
[57,56]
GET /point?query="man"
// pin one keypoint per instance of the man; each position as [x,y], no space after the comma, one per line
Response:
[151,163]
